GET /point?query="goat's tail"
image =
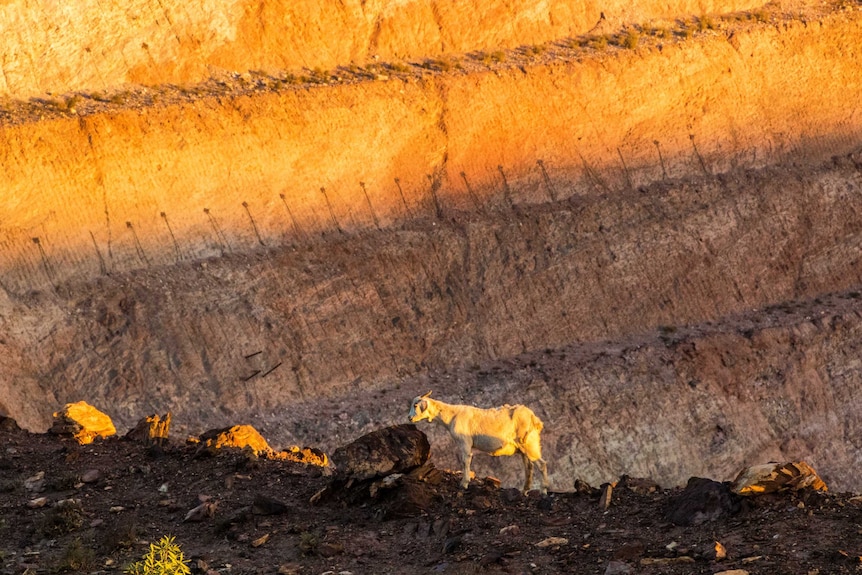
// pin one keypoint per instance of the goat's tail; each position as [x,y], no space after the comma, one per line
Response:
[537,423]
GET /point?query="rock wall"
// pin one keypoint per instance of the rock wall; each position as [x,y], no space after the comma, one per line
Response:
[701,400]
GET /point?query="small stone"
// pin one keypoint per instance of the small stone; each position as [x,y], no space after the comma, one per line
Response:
[201,512]
[583,487]
[451,544]
[117,509]
[36,483]
[552,542]
[37,503]
[701,501]
[629,551]
[260,540]
[330,549]
[720,551]
[666,560]
[618,568]
[492,482]
[289,569]
[91,476]
[607,494]
[733,572]
[510,530]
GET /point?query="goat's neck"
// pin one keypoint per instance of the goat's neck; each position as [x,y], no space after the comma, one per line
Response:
[444,413]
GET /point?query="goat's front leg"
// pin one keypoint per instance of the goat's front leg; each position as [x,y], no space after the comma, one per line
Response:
[466,459]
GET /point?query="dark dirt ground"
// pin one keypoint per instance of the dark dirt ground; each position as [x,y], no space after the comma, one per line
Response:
[128,495]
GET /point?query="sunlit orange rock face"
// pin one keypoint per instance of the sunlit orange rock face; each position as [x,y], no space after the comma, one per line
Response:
[148,185]
[91,45]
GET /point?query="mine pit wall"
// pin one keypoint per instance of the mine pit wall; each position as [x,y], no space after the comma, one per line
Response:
[92,45]
[333,312]
[152,186]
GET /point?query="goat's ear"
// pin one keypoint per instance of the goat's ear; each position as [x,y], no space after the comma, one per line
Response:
[426,395]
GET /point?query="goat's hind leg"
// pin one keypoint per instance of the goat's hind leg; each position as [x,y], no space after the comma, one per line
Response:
[543,467]
[528,472]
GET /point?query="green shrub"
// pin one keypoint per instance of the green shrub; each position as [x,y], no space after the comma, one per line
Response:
[164,558]
[65,517]
[77,557]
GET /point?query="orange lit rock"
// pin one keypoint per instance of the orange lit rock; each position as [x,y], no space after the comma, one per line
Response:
[83,421]
[772,477]
[239,436]
[308,455]
[151,430]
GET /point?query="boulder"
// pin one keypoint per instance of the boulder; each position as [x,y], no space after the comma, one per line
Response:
[773,477]
[395,449]
[388,468]
[83,422]
[702,500]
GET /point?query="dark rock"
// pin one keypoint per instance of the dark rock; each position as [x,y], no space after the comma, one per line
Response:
[411,499]
[618,568]
[638,485]
[395,449]
[388,468]
[702,500]
[264,505]
[8,424]
[511,495]
[545,504]
[584,488]
[238,517]
[630,551]
[452,544]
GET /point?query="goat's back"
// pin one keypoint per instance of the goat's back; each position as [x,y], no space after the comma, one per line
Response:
[525,420]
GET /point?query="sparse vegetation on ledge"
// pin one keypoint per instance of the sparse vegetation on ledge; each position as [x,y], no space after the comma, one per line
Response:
[647,35]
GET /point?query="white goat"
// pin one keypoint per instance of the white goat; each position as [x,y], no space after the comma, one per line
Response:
[499,431]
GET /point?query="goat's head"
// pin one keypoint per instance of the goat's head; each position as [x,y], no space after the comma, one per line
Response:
[419,409]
